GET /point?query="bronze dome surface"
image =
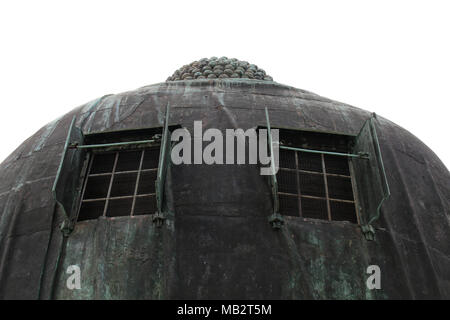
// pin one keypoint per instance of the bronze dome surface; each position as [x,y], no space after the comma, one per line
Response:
[221,68]
[217,242]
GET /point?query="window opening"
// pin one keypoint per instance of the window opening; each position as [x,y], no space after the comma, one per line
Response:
[315,185]
[316,178]
[126,173]
[120,183]
[325,176]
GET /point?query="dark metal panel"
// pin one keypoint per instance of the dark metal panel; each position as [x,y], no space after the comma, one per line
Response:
[370,176]
[104,248]
[248,267]
[308,259]
[23,266]
[68,178]
[164,161]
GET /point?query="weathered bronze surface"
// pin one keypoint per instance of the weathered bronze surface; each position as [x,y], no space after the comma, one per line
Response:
[217,242]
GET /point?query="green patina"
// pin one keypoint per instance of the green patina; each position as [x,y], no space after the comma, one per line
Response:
[137,246]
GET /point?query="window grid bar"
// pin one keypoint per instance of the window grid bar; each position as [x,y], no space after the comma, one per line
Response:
[350,155]
[110,184]
[326,185]
[121,172]
[315,172]
[298,185]
[137,182]
[315,197]
[325,176]
[113,175]
[119,197]
[116,144]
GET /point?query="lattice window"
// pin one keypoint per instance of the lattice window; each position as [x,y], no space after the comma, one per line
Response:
[315,185]
[120,183]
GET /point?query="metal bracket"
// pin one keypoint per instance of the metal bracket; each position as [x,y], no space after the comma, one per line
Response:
[368,232]
[158,219]
[276,220]
[364,155]
[66,227]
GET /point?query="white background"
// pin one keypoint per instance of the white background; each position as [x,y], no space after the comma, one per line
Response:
[389,57]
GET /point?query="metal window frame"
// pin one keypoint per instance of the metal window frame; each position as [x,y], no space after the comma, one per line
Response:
[325,176]
[113,174]
[367,228]
[78,147]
